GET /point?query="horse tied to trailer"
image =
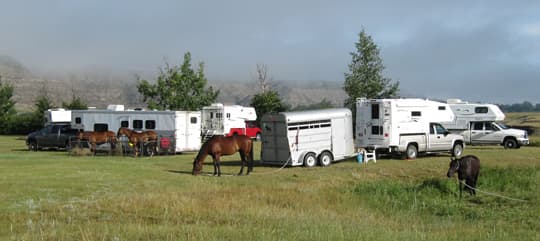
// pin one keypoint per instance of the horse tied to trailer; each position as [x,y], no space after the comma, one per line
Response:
[467,168]
[220,145]
[98,137]
[140,138]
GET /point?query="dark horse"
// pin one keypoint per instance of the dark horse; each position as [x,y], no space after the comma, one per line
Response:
[97,137]
[137,138]
[468,168]
[218,146]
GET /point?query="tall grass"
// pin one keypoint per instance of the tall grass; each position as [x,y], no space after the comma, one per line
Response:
[54,196]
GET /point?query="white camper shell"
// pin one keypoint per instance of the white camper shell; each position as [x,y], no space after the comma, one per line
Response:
[466,112]
[307,137]
[183,126]
[57,116]
[228,120]
[407,126]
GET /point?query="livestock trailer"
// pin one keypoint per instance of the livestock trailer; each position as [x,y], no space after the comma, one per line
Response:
[307,137]
[184,127]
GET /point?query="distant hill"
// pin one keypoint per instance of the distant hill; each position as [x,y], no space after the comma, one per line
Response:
[100,91]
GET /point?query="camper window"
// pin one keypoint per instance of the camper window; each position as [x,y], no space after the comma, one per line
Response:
[481,110]
[376,130]
[193,120]
[416,113]
[374,111]
[124,124]
[137,124]
[78,120]
[228,115]
[150,124]
[442,107]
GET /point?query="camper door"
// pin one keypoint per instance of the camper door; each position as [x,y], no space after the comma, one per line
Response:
[376,118]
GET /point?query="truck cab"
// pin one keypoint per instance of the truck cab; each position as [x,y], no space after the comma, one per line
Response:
[52,136]
[489,133]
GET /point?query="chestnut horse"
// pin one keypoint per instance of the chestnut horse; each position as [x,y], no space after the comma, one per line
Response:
[220,145]
[97,137]
[138,138]
[467,168]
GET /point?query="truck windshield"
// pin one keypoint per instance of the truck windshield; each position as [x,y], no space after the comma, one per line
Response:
[502,126]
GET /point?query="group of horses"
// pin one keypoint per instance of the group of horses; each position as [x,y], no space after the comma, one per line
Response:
[136,139]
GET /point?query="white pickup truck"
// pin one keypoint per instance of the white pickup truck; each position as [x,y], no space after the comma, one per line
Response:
[490,133]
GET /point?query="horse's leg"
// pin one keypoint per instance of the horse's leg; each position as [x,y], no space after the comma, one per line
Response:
[470,182]
[243,158]
[217,166]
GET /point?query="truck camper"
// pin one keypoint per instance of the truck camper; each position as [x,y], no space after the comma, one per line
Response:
[405,127]
[481,124]
[228,120]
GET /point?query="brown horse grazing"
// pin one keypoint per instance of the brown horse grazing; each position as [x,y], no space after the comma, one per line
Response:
[220,145]
[468,168]
[97,137]
[137,138]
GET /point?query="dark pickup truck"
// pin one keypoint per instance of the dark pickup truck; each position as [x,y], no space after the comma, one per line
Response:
[52,136]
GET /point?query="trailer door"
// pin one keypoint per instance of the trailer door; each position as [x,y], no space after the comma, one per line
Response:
[339,142]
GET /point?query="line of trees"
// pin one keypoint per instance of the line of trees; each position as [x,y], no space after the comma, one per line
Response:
[525,106]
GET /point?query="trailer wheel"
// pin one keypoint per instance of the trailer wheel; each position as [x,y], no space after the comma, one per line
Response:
[325,159]
[411,151]
[310,160]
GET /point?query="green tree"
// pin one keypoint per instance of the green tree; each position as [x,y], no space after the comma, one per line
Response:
[7,106]
[77,103]
[267,100]
[365,77]
[178,88]
[42,103]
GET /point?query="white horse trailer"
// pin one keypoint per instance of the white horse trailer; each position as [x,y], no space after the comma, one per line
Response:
[183,126]
[307,137]
[466,112]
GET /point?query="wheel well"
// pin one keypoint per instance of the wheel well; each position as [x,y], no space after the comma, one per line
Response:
[508,138]
[327,151]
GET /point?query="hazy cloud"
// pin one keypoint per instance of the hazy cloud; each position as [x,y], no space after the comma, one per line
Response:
[475,50]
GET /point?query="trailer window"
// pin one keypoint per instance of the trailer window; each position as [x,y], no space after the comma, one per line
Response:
[481,110]
[137,124]
[124,124]
[374,111]
[193,120]
[228,115]
[416,113]
[101,127]
[78,120]
[219,115]
[150,124]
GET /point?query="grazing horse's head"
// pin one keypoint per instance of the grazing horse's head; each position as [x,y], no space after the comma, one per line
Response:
[454,167]
[197,167]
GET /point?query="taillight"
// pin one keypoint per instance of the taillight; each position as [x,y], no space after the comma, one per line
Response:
[385,134]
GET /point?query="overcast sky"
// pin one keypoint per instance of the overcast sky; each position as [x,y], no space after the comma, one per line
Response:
[485,51]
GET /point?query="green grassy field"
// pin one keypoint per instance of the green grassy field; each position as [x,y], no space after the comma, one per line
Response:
[52,196]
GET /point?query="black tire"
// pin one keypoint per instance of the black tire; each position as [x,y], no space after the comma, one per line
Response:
[68,145]
[411,152]
[510,143]
[32,146]
[325,159]
[457,150]
[310,160]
